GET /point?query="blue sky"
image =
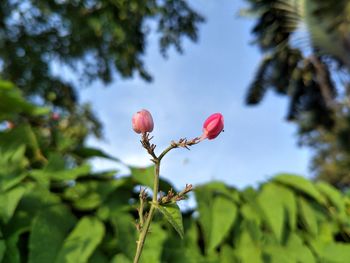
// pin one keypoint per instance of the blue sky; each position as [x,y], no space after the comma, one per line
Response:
[211,76]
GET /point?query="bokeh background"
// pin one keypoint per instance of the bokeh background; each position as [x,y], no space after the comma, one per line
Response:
[210,76]
[75,183]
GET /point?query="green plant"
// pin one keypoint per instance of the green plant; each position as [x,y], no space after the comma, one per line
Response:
[142,122]
[54,208]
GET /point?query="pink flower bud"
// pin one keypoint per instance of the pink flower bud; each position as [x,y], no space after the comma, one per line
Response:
[142,121]
[213,126]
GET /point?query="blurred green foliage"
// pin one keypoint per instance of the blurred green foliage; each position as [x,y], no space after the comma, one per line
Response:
[95,38]
[55,208]
[89,40]
[306,48]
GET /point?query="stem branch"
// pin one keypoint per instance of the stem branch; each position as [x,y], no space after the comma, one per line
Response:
[145,227]
[150,149]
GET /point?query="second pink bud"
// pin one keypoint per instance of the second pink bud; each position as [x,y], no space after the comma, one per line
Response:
[213,126]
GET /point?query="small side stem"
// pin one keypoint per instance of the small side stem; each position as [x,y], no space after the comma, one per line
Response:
[172,146]
[145,228]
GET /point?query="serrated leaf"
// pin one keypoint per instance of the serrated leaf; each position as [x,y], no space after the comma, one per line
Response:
[173,214]
[82,241]
[224,213]
[301,184]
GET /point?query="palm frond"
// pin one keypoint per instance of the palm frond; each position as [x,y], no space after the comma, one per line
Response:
[258,87]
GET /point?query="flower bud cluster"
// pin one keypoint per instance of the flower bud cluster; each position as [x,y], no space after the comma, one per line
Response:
[142,122]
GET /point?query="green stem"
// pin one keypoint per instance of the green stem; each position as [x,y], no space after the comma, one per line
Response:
[145,228]
[141,207]
[166,151]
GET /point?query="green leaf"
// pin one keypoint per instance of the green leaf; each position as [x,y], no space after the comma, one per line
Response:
[90,194]
[278,254]
[42,176]
[82,241]
[125,232]
[205,196]
[224,213]
[13,163]
[301,184]
[88,152]
[173,214]
[9,201]
[48,231]
[71,174]
[99,257]
[2,249]
[145,176]
[308,216]
[336,253]
[273,209]
[332,194]
[120,258]
[249,213]
[247,251]
[289,201]
[153,249]
[34,200]
[286,198]
[204,200]
[22,135]
[56,169]
[227,255]
[13,103]
[300,252]
[117,202]
[186,251]
[12,253]
[331,252]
